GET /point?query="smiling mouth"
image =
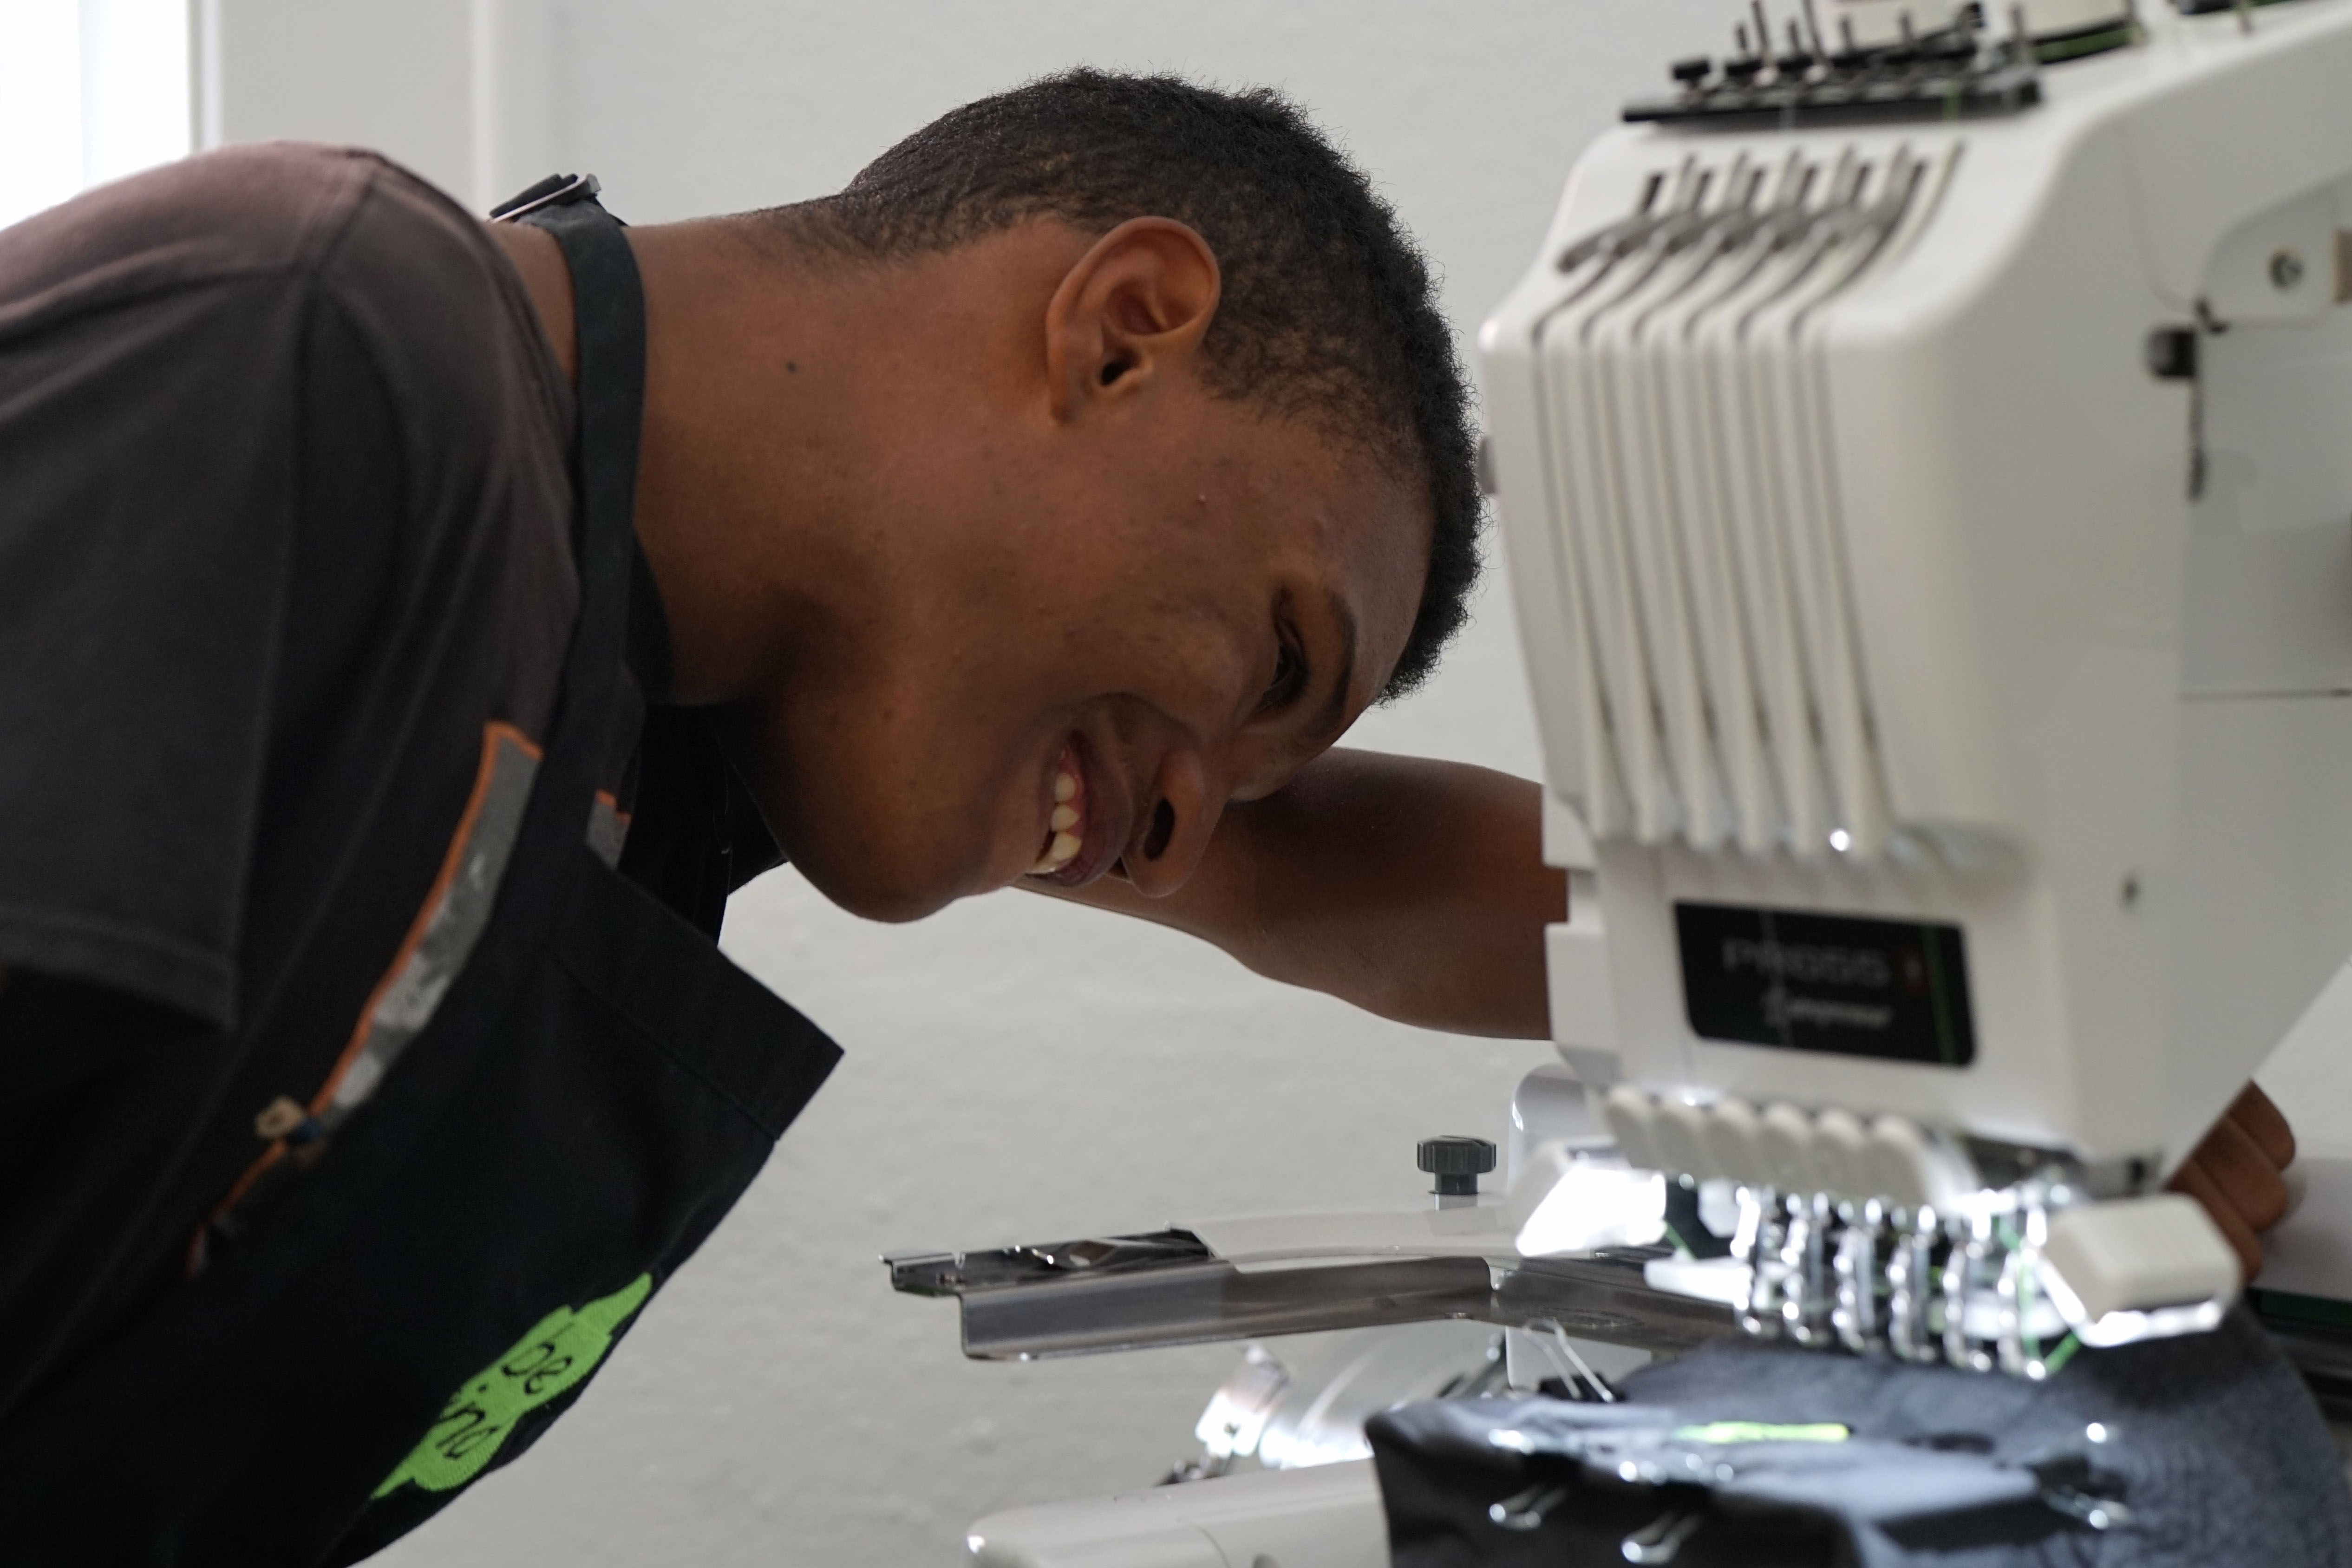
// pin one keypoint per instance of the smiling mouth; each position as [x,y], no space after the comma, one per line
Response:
[1064,834]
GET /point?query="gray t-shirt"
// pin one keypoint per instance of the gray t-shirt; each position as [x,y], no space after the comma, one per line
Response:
[284,530]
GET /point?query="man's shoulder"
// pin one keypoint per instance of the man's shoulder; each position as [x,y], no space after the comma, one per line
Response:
[445,315]
[272,209]
[266,227]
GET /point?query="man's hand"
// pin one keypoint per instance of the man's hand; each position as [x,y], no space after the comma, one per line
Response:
[1415,890]
[2236,1174]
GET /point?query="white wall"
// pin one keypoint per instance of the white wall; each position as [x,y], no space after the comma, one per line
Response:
[399,77]
[1016,1070]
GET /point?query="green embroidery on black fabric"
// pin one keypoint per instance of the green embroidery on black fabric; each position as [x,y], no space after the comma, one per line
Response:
[1764,1432]
[562,1349]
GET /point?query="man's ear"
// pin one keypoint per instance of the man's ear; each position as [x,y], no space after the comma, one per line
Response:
[1133,308]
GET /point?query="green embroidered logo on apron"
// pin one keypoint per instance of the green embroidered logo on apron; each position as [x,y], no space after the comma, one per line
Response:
[562,1350]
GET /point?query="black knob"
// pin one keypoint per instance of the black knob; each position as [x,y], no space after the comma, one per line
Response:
[1742,71]
[1692,71]
[1456,1161]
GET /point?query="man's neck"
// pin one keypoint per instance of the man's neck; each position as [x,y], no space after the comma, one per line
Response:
[745,453]
[789,393]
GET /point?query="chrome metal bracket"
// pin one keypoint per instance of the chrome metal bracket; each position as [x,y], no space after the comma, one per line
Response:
[1132,1293]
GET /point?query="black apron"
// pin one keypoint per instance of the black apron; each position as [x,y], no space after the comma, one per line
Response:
[592,1094]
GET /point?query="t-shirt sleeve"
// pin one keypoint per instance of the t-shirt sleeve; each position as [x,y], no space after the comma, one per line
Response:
[146,515]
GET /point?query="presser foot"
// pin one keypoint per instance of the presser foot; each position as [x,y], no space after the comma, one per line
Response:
[2013,1280]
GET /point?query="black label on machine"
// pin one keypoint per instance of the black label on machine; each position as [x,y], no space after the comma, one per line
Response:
[1893,989]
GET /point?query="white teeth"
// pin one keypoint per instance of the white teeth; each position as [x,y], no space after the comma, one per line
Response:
[1066,844]
[1059,853]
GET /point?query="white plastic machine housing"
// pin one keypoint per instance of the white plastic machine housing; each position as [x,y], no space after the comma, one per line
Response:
[1328,1517]
[1897,583]
[1892,580]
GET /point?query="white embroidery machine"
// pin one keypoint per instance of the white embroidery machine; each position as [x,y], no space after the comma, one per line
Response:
[1924,449]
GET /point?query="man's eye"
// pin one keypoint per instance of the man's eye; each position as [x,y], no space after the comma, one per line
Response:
[1289,679]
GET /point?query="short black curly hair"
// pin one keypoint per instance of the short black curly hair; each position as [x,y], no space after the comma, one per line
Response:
[1329,310]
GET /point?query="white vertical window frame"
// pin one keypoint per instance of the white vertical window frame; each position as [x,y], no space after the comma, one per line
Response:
[514,46]
[204,74]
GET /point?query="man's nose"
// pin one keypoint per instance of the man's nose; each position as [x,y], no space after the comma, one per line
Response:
[1176,835]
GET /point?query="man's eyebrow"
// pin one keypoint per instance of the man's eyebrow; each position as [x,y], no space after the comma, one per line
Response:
[1333,717]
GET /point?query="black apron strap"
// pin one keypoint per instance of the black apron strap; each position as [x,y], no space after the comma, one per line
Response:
[609,319]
